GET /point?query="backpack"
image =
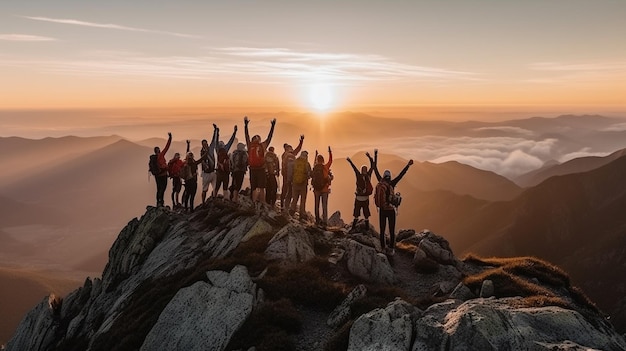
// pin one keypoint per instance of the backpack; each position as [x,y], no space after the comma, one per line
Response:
[173,169]
[186,172]
[271,163]
[223,162]
[153,165]
[364,185]
[208,164]
[382,199]
[300,171]
[256,155]
[319,180]
[239,160]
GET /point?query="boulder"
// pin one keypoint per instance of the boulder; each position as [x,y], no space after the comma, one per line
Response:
[390,328]
[462,292]
[335,220]
[504,324]
[341,314]
[366,239]
[487,289]
[42,317]
[436,252]
[291,244]
[364,262]
[204,316]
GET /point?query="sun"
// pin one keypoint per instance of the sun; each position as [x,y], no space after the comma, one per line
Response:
[321,96]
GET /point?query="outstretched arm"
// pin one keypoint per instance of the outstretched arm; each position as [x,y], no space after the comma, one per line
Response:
[330,158]
[216,134]
[188,145]
[402,173]
[356,171]
[378,177]
[297,150]
[369,172]
[231,140]
[267,142]
[167,146]
[245,123]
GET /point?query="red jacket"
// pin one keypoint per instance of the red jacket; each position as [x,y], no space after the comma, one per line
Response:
[161,158]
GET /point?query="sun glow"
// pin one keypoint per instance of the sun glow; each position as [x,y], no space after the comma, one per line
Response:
[321,96]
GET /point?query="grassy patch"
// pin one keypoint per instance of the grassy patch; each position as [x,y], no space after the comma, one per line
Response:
[303,284]
[426,266]
[270,324]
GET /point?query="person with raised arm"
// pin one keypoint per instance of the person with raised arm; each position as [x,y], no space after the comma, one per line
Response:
[256,161]
[158,167]
[223,163]
[363,191]
[320,180]
[287,158]
[209,177]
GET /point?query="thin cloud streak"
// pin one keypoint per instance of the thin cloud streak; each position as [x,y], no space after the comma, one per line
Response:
[24,37]
[246,62]
[106,26]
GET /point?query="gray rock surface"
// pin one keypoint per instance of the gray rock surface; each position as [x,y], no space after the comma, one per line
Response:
[291,244]
[487,289]
[204,316]
[341,314]
[335,220]
[364,262]
[37,329]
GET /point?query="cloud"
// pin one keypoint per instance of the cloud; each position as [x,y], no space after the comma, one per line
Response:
[618,127]
[106,26]
[507,129]
[579,67]
[24,37]
[584,152]
[567,72]
[250,65]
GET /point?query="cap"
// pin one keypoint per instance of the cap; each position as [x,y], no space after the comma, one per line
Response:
[387,174]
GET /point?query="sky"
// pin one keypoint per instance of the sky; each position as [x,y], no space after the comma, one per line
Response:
[312,55]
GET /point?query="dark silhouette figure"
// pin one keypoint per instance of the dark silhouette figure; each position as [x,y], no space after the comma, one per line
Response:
[161,176]
[287,158]
[363,191]
[256,161]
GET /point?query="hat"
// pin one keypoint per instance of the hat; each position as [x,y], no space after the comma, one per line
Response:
[304,154]
[387,174]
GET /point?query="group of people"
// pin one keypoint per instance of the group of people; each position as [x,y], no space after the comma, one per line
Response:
[222,169]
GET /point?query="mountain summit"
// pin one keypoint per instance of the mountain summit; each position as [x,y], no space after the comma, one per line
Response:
[240,277]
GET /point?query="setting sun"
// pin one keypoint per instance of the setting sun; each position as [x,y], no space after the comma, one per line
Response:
[321,96]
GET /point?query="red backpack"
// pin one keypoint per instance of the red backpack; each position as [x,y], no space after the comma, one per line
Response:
[256,155]
[223,161]
[383,192]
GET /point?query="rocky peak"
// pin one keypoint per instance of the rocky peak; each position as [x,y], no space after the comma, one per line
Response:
[235,276]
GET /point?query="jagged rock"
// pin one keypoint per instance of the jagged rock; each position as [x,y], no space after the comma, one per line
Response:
[225,241]
[462,292]
[260,227]
[364,262]
[495,324]
[487,289]
[404,234]
[366,239]
[341,314]
[30,333]
[335,220]
[436,252]
[291,244]
[204,316]
[390,328]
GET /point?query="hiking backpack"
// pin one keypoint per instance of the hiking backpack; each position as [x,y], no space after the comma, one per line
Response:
[153,165]
[208,164]
[239,161]
[364,185]
[271,163]
[300,175]
[186,172]
[256,155]
[385,197]
[223,161]
[173,169]
[319,180]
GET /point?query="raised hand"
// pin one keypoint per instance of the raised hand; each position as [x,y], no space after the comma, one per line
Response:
[214,126]
[235,127]
[410,162]
[329,150]
[246,120]
[368,154]
[348,159]
[188,142]
[169,134]
[273,121]
[375,151]
[301,136]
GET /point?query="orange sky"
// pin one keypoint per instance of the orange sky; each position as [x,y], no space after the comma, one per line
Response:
[303,56]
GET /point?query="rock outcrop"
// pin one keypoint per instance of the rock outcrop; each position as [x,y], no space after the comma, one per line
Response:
[165,287]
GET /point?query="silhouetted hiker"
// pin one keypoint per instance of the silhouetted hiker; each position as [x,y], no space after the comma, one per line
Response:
[320,180]
[256,161]
[209,177]
[300,182]
[363,191]
[384,198]
[238,165]
[189,173]
[223,163]
[272,168]
[287,158]
[182,178]
[174,167]
[158,167]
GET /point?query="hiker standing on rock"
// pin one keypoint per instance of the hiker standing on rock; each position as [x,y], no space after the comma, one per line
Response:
[300,180]
[238,165]
[387,202]
[256,161]
[272,169]
[363,191]
[174,167]
[320,180]
[223,163]
[287,158]
[209,177]
[189,173]
[158,167]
